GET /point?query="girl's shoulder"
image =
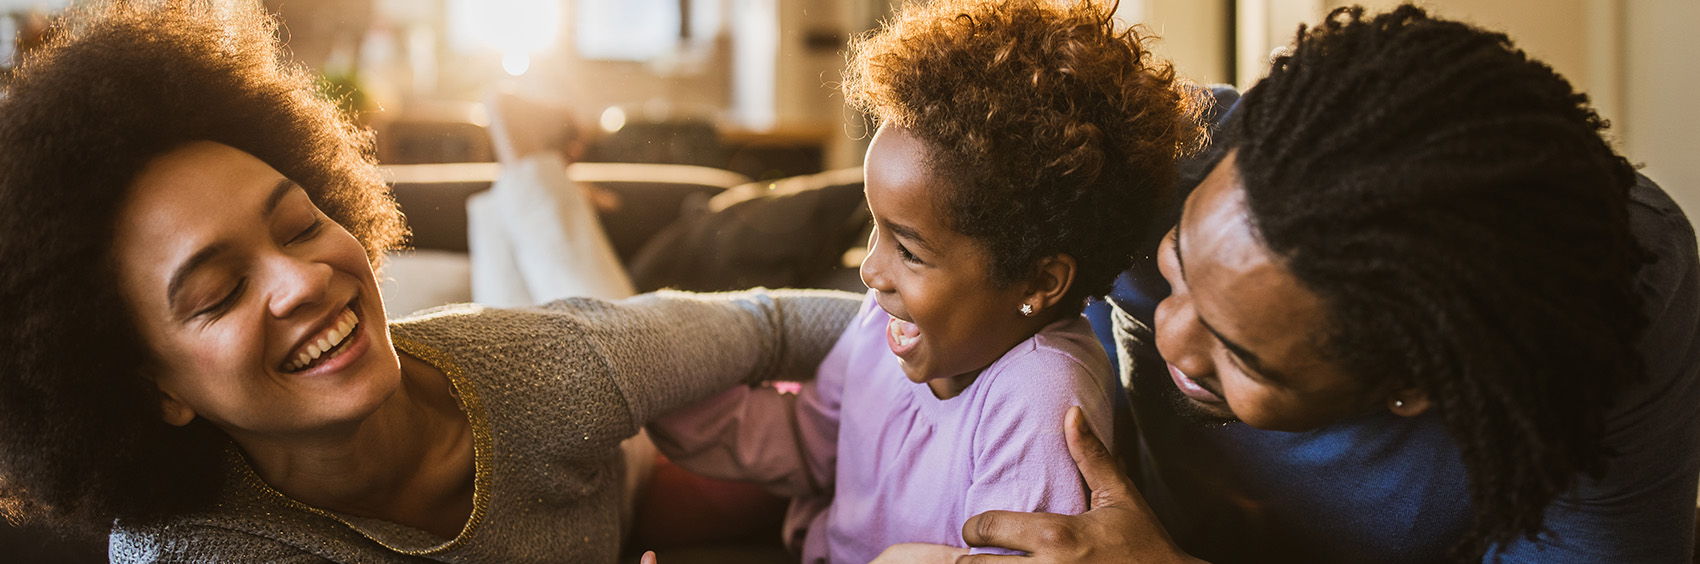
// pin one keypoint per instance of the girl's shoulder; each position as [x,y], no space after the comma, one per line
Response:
[1067,346]
[1027,393]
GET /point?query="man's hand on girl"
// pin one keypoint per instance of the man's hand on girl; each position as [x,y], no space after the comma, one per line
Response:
[1118,528]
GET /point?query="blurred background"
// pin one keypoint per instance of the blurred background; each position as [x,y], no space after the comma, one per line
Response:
[749,85]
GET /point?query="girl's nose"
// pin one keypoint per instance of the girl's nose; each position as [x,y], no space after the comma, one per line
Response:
[873,270]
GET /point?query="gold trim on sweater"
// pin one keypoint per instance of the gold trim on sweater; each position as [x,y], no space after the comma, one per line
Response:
[483,453]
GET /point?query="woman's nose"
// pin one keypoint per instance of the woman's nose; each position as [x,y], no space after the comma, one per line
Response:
[296,283]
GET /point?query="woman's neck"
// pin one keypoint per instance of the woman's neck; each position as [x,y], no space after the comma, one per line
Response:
[410,462]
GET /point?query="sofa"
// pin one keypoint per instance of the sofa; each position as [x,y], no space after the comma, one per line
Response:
[672,226]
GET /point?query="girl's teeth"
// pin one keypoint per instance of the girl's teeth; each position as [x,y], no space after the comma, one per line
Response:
[313,350]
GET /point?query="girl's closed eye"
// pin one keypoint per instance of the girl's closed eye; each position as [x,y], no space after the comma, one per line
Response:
[903,251]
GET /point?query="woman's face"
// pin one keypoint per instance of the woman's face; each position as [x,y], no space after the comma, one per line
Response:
[263,314]
[1243,338]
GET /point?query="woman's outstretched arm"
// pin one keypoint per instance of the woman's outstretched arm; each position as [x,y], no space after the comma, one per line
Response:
[667,350]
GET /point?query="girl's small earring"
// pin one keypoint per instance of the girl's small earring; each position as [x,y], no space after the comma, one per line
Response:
[1027,310]
[1398,403]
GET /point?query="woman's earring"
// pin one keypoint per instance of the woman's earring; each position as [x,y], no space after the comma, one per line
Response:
[1027,310]
[1398,403]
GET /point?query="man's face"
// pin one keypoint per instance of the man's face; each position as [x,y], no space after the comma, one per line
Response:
[1242,337]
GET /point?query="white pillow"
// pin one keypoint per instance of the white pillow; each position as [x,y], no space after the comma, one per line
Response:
[419,279]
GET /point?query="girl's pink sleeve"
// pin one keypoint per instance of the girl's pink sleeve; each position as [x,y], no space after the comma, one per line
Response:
[784,440]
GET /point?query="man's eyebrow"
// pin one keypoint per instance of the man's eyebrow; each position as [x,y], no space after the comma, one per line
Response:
[911,234]
[1251,360]
[181,275]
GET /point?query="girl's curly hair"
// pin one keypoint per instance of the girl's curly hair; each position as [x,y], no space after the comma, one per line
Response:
[82,441]
[1056,130]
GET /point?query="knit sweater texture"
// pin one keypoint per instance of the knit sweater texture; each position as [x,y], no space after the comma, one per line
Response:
[550,392]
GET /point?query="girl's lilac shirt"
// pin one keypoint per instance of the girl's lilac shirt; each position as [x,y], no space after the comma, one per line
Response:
[875,459]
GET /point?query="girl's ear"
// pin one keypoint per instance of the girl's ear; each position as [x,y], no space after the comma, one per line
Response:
[1052,281]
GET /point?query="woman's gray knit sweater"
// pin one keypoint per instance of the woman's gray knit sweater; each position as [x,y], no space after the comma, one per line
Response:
[550,392]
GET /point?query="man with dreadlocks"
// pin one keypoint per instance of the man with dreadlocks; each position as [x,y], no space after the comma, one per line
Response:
[1419,311]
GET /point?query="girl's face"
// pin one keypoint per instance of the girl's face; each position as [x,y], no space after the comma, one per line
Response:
[262,313]
[949,320]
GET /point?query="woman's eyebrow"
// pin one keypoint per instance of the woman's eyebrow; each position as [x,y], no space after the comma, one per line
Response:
[207,253]
[181,275]
[279,190]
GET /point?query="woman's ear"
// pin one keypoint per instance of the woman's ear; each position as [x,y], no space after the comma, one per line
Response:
[1408,402]
[1052,281]
[173,410]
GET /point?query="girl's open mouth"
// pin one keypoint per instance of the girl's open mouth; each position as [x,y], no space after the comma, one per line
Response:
[901,336]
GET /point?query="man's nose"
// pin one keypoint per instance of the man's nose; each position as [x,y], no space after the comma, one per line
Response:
[1181,339]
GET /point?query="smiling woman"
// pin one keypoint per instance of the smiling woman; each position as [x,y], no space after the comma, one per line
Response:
[84,117]
[218,299]
[197,357]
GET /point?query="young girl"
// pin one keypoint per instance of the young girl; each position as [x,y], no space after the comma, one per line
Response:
[1021,149]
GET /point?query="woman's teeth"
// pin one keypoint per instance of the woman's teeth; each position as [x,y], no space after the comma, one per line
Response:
[344,327]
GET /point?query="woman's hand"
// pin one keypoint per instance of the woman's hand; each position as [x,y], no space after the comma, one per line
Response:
[1119,527]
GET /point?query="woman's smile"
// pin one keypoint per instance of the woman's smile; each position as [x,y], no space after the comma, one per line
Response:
[324,350]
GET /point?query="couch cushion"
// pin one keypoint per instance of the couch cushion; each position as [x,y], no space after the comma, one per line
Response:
[789,233]
[433,197]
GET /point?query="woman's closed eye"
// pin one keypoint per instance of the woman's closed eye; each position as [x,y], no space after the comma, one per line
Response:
[213,312]
[311,231]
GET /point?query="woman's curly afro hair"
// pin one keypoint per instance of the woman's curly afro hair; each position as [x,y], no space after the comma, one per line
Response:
[1454,205]
[1056,130]
[81,436]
